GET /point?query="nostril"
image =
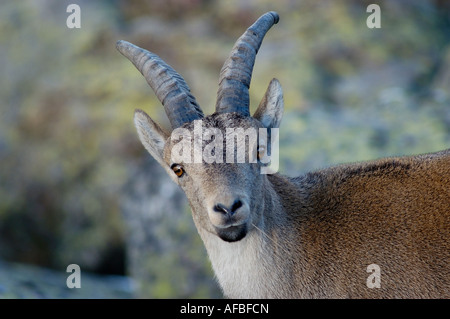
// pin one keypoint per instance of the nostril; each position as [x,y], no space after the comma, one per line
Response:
[220,209]
[236,205]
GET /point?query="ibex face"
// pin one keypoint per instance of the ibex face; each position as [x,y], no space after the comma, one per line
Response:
[225,197]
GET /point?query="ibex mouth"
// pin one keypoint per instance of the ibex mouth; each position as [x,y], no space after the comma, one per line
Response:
[232,233]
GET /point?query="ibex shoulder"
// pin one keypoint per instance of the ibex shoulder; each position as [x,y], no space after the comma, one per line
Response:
[388,179]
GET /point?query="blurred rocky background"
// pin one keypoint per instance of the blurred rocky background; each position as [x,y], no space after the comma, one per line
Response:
[77,187]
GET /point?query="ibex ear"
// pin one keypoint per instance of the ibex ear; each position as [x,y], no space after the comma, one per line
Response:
[152,136]
[270,110]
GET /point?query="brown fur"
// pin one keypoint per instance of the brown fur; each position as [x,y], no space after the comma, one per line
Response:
[393,212]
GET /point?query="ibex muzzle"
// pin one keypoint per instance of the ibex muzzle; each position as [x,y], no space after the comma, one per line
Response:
[230,219]
[313,236]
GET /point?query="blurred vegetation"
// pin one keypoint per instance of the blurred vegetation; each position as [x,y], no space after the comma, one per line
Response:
[70,157]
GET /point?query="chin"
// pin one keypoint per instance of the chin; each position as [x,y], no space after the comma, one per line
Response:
[233,233]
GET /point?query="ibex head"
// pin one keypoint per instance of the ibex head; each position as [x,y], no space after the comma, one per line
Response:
[226,198]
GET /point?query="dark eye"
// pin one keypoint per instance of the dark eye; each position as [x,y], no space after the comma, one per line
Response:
[261,151]
[177,169]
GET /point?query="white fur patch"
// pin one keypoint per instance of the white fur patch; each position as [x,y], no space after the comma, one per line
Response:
[241,267]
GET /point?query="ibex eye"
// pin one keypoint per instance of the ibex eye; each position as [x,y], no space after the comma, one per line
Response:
[261,151]
[177,169]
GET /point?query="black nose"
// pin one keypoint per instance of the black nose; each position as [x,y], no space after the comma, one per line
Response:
[221,208]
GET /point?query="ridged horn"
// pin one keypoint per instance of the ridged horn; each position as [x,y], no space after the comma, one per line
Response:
[236,73]
[170,87]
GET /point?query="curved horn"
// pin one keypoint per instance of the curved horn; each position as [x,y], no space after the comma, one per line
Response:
[236,72]
[170,88]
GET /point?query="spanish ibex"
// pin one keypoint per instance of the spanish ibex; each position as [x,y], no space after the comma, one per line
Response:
[313,236]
